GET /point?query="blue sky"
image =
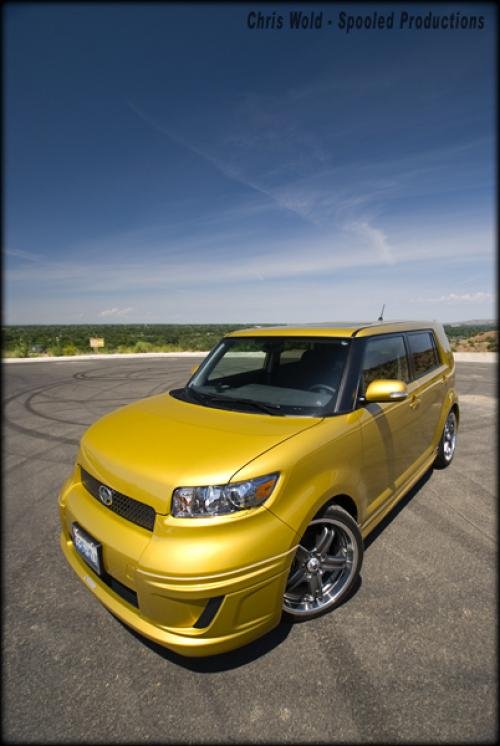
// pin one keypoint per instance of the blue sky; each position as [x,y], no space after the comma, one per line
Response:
[164,163]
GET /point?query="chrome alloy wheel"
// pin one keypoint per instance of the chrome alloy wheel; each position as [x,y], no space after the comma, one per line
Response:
[450,436]
[324,565]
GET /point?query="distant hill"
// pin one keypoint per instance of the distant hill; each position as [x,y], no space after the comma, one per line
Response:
[482,342]
[474,322]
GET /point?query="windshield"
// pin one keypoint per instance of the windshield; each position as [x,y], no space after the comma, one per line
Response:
[294,376]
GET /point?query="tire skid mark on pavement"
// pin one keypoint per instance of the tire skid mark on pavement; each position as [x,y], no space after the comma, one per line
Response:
[30,408]
[34,392]
[468,520]
[120,381]
[59,462]
[43,388]
[345,658]
[49,400]
[382,723]
[31,431]
[480,491]
[86,375]
[163,387]
[43,436]
[133,375]
[83,402]
[485,549]
[36,458]
[18,565]
[26,405]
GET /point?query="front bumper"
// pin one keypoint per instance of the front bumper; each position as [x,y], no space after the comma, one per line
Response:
[181,590]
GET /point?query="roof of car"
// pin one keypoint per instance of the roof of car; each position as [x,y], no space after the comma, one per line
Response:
[332,329]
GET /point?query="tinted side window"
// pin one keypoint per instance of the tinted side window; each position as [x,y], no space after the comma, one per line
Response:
[422,352]
[385,357]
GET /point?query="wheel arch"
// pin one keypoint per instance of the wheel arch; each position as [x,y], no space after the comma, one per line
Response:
[343,501]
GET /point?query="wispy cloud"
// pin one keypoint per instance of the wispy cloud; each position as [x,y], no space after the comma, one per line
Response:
[277,260]
[293,168]
[376,238]
[298,300]
[478,297]
[227,169]
[27,255]
[115,312]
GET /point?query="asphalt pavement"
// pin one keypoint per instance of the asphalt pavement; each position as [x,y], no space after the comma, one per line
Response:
[411,657]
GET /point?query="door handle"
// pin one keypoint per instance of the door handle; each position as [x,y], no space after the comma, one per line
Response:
[415,402]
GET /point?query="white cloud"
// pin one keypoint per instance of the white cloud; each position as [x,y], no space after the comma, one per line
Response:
[300,299]
[28,255]
[376,238]
[116,312]
[175,268]
[478,297]
[231,171]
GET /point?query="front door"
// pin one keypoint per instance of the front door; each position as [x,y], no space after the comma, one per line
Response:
[387,429]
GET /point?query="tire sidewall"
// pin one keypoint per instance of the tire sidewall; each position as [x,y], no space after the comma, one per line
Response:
[342,516]
[441,461]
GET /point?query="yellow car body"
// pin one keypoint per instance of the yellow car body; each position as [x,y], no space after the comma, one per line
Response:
[205,585]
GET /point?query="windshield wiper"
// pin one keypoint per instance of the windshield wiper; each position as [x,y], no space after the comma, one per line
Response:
[268,408]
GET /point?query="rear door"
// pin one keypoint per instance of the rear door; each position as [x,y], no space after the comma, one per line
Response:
[426,389]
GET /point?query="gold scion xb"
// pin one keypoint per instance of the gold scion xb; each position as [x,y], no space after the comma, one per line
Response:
[200,515]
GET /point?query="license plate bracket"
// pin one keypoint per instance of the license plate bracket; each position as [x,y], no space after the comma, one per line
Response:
[89,549]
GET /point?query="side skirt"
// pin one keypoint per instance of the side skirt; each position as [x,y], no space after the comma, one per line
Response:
[375,519]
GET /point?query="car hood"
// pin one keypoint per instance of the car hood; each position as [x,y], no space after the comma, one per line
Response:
[147,449]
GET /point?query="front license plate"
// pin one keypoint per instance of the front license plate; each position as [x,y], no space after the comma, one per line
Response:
[87,547]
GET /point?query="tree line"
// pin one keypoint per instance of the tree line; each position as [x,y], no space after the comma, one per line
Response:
[73,339]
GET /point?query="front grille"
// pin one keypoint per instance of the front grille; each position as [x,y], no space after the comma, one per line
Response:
[126,507]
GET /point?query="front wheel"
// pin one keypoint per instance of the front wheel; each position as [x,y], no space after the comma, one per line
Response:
[448,442]
[326,565]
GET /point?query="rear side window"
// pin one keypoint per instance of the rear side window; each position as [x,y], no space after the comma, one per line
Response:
[385,357]
[423,352]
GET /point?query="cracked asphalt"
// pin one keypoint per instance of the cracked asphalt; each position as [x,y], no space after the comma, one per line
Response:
[411,657]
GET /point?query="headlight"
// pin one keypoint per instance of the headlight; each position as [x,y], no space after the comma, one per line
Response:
[203,502]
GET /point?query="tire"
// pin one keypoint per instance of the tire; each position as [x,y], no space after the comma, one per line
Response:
[448,441]
[326,565]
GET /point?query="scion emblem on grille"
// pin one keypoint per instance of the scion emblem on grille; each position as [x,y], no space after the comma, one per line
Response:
[105,495]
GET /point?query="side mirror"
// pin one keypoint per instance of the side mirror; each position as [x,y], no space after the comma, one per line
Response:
[195,368]
[386,390]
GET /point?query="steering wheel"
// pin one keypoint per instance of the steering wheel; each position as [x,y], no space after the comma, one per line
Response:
[323,386]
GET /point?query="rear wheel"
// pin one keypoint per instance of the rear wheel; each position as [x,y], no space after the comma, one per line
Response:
[326,565]
[448,442]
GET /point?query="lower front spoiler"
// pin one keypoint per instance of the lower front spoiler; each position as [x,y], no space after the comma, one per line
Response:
[218,637]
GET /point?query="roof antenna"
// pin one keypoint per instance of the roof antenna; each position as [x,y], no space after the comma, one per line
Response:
[381,317]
